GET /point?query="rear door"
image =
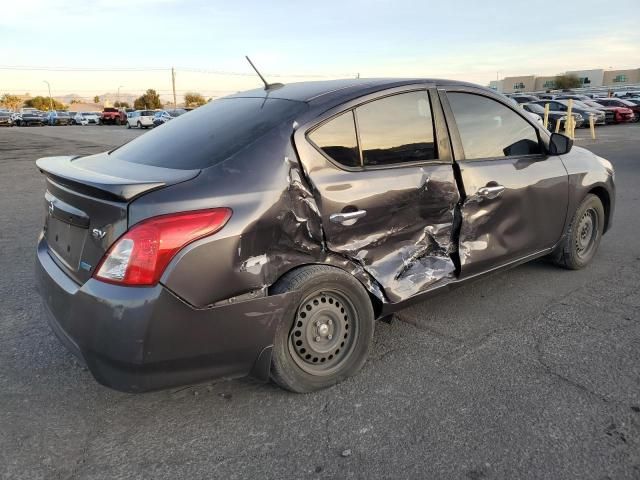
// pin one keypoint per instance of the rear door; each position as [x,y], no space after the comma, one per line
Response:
[516,195]
[383,179]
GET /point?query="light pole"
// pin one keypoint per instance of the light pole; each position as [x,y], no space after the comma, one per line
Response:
[50,99]
[119,94]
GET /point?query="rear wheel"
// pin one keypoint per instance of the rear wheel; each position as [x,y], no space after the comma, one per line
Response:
[139,125]
[583,235]
[328,338]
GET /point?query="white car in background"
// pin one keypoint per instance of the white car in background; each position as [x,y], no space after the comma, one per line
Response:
[140,119]
[78,119]
[85,118]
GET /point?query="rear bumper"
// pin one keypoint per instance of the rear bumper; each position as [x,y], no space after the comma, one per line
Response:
[141,339]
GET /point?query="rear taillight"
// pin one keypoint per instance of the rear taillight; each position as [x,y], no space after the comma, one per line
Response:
[140,256]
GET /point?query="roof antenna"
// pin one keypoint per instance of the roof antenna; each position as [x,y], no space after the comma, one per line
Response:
[267,86]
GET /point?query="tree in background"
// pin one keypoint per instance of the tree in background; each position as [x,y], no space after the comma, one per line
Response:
[42,103]
[75,100]
[12,102]
[96,99]
[122,105]
[149,100]
[567,81]
[193,99]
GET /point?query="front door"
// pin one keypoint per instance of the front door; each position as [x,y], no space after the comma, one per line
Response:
[385,191]
[516,195]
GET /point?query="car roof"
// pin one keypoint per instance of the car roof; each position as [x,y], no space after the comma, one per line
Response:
[339,90]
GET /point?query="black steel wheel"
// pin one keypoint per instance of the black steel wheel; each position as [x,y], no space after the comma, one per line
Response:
[583,235]
[327,335]
[587,232]
[320,340]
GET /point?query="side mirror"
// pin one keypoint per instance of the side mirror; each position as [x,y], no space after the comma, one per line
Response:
[560,144]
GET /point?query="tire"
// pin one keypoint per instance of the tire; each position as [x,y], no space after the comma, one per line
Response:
[330,335]
[583,235]
[128,125]
[139,125]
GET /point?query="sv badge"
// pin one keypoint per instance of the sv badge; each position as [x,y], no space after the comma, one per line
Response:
[98,234]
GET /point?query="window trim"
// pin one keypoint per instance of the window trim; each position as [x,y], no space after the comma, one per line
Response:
[458,149]
[436,116]
[310,131]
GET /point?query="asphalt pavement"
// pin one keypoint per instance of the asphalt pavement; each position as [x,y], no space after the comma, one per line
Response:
[532,373]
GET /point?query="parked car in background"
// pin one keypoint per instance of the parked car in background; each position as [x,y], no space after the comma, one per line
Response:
[627,94]
[163,116]
[572,96]
[31,117]
[519,98]
[140,119]
[599,116]
[620,114]
[265,235]
[546,96]
[554,117]
[78,119]
[6,118]
[58,117]
[112,116]
[89,118]
[620,102]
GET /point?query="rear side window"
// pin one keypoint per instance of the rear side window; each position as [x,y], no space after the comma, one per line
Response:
[489,129]
[337,138]
[209,134]
[396,129]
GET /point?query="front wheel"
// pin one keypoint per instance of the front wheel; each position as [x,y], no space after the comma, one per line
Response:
[583,235]
[329,336]
[128,125]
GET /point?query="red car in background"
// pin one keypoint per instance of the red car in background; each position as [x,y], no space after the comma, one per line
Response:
[620,103]
[112,116]
[614,114]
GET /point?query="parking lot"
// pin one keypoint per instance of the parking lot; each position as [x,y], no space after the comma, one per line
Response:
[531,373]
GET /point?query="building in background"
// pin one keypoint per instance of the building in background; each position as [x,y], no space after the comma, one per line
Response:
[496,85]
[545,83]
[523,83]
[589,78]
[619,78]
[594,78]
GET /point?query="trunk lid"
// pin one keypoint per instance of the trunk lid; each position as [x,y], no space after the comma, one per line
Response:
[86,205]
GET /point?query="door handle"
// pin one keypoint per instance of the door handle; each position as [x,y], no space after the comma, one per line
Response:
[347,218]
[491,192]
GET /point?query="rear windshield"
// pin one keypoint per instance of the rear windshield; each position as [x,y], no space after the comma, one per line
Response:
[109,109]
[147,113]
[209,134]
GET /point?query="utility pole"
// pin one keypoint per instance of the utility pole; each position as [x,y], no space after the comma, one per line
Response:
[50,99]
[119,94]
[173,84]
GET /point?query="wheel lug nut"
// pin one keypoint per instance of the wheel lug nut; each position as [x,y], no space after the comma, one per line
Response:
[317,339]
[330,322]
[329,337]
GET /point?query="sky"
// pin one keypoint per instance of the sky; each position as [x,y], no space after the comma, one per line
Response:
[206,41]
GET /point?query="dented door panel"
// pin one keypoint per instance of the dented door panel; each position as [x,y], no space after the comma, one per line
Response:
[405,239]
[528,216]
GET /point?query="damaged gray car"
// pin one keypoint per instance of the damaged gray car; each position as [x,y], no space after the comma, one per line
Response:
[265,233]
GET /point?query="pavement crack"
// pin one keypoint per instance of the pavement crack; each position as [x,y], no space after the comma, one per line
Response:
[577,385]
